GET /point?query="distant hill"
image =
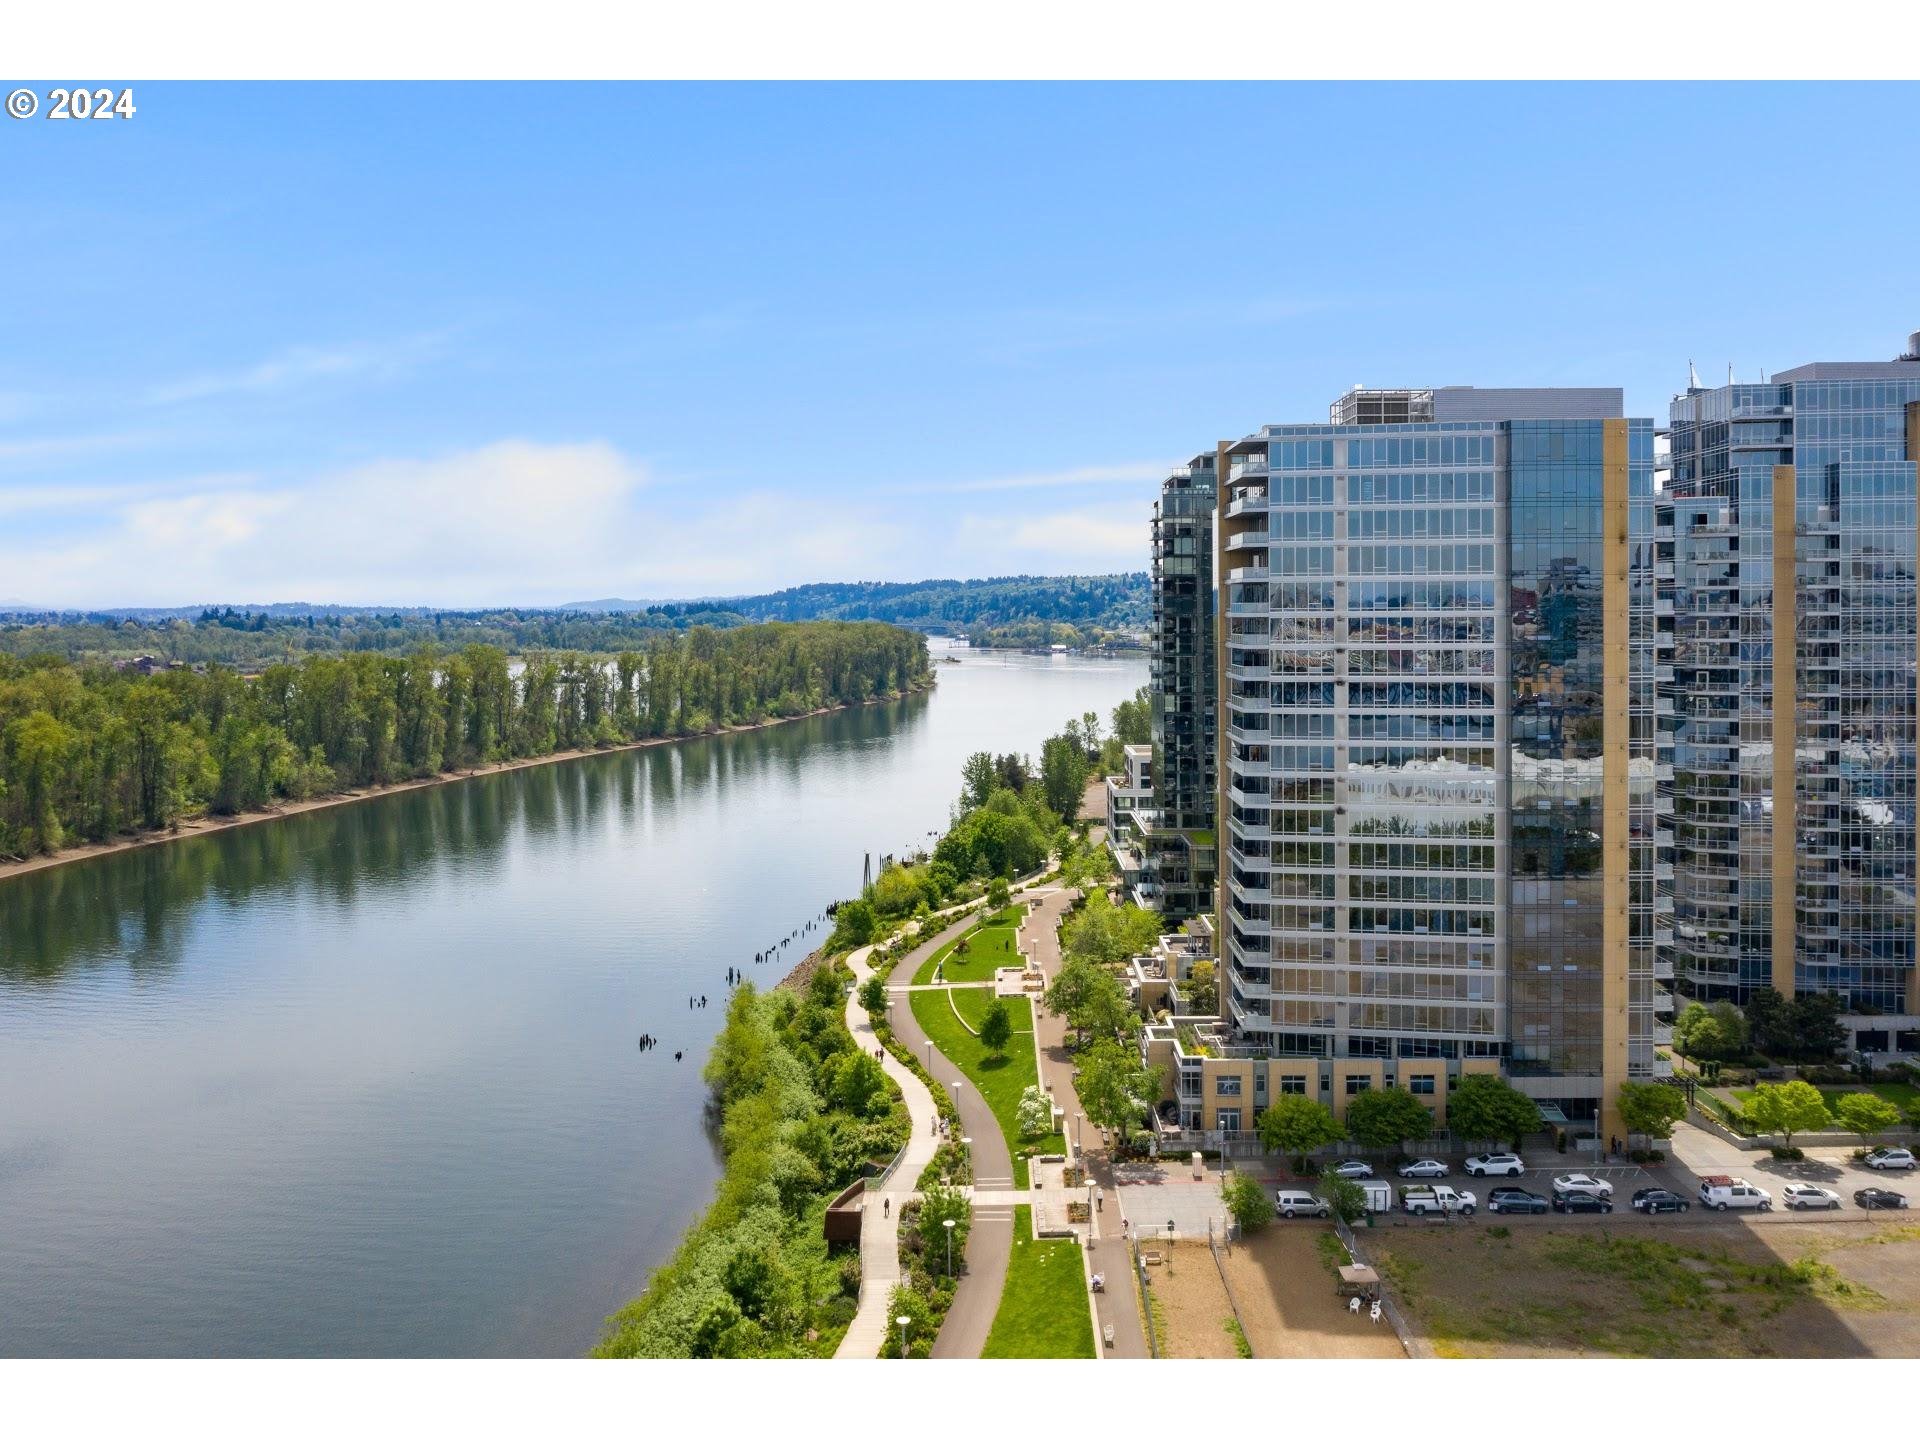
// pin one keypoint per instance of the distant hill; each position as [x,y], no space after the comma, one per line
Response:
[1010,611]
[1110,601]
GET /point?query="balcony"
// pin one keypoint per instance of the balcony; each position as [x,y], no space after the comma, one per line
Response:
[1252,502]
[1248,575]
[1249,540]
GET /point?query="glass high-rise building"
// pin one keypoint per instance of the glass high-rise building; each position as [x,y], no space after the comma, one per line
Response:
[1794,694]
[1175,835]
[1438,649]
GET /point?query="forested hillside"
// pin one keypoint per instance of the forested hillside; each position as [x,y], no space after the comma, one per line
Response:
[90,752]
[1016,610]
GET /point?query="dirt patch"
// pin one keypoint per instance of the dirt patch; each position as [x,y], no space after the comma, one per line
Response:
[1671,1288]
[1287,1304]
[1190,1303]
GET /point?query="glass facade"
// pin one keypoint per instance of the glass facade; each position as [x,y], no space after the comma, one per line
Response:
[1412,771]
[1172,837]
[1845,432]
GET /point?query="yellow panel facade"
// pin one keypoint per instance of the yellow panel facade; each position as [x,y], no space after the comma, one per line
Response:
[1615,736]
[1786,606]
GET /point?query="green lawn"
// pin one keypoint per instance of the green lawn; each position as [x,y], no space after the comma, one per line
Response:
[1901,1095]
[1043,1306]
[989,946]
[1000,1079]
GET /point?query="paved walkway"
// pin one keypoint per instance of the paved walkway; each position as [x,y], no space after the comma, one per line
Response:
[990,1241]
[1119,1304]
[880,1230]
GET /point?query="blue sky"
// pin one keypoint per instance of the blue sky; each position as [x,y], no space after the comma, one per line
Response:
[488,344]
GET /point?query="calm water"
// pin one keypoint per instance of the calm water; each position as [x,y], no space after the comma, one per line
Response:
[365,1081]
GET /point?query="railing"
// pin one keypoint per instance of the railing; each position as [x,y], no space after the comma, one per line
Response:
[1146,1301]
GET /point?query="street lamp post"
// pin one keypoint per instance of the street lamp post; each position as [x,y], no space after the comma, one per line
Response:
[949,1225]
[903,1322]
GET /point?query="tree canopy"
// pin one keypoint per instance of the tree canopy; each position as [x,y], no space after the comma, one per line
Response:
[1485,1107]
[1298,1125]
[90,752]
[1786,1110]
[1383,1118]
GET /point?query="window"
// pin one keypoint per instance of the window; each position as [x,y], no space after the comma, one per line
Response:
[1293,1084]
[1226,1084]
[1229,1120]
[1359,1084]
[1420,1085]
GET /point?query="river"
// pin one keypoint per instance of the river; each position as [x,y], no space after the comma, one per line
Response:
[365,1081]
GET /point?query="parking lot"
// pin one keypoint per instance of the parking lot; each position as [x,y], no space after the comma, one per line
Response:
[1695,1153]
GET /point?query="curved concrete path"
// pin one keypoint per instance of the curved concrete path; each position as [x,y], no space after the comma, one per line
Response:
[990,1241]
[880,1222]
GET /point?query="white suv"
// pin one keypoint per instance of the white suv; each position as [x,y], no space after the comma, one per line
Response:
[1890,1157]
[1501,1164]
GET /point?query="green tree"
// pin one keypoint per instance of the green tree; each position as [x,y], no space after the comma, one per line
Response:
[1247,1201]
[1865,1113]
[1817,1031]
[936,1208]
[1651,1110]
[873,996]
[1133,719]
[860,1084]
[854,925]
[977,780]
[1344,1197]
[1298,1125]
[36,748]
[1785,1110]
[1487,1108]
[1770,1022]
[997,893]
[996,1027]
[1383,1118]
[1202,990]
[1115,1087]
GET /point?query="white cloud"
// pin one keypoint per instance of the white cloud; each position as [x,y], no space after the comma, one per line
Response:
[1137,472]
[513,522]
[301,365]
[1090,539]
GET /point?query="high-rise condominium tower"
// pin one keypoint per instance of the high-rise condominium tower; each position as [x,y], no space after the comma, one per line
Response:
[1794,638]
[1437,657]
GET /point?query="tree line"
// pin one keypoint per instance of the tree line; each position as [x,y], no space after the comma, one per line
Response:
[89,752]
[249,637]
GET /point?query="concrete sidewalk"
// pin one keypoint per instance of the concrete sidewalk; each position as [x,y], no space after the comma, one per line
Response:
[880,1222]
[1106,1251]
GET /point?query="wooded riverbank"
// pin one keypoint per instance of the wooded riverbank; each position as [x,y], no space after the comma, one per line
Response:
[209,824]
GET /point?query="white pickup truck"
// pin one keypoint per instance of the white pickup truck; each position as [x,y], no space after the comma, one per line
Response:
[1436,1200]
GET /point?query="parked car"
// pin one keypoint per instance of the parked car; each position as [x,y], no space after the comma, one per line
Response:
[1873,1197]
[1890,1157]
[1497,1164]
[1655,1201]
[1579,1202]
[1427,1169]
[1578,1184]
[1725,1192]
[1436,1200]
[1354,1170]
[1512,1200]
[1295,1203]
[1810,1197]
